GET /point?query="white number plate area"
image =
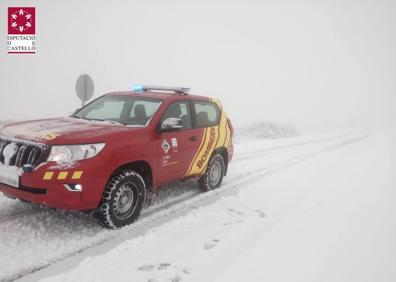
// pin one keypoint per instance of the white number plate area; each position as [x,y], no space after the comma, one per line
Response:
[9,178]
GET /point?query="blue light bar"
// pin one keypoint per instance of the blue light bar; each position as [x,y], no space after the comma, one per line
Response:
[142,88]
[138,88]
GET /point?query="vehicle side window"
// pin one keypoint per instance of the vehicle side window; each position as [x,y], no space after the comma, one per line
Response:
[179,110]
[207,114]
[142,112]
[110,109]
[149,106]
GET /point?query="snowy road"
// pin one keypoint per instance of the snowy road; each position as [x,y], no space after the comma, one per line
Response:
[247,204]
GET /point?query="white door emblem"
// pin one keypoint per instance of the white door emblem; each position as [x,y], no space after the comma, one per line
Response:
[174,142]
[165,146]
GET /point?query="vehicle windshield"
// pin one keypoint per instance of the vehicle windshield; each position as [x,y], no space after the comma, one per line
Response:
[122,109]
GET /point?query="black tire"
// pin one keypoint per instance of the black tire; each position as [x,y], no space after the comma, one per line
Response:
[212,179]
[122,201]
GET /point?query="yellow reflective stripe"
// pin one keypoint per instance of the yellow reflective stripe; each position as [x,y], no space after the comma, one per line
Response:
[213,138]
[197,153]
[228,141]
[62,175]
[223,123]
[218,130]
[77,175]
[217,137]
[226,134]
[213,147]
[201,161]
[48,175]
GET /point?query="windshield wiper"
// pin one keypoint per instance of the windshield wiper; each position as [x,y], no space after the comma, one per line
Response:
[98,119]
[113,121]
[73,116]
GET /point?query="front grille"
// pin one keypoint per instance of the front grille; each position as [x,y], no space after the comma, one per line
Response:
[21,152]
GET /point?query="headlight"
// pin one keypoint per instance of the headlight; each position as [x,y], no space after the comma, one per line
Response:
[72,153]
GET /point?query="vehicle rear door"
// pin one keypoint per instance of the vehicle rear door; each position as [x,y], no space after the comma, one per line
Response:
[208,124]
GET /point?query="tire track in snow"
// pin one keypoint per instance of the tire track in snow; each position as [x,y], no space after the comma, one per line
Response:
[179,208]
[18,215]
[259,153]
[191,194]
[184,196]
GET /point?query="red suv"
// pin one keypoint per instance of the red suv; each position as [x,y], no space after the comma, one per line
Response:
[110,153]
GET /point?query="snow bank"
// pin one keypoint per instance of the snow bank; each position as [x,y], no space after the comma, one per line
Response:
[3,123]
[266,129]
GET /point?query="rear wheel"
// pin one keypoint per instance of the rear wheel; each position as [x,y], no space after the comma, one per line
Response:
[214,174]
[122,200]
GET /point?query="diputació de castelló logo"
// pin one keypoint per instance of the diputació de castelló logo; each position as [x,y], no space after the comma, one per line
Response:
[21,30]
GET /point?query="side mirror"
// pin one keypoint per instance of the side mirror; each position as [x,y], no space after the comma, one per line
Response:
[171,124]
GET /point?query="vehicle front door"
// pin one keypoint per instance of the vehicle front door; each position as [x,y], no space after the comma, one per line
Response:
[177,147]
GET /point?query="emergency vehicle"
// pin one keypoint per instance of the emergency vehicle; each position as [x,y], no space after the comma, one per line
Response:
[109,155]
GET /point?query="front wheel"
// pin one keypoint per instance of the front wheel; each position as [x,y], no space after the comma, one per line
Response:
[122,200]
[214,174]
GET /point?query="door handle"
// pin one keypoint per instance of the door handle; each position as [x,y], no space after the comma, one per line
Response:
[193,138]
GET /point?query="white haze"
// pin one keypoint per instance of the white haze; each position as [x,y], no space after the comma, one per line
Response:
[308,63]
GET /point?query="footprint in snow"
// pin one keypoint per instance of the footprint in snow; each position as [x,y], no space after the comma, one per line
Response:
[186,270]
[232,222]
[148,267]
[163,266]
[176,278]
[163,270]
[236,212]
[211,244]
[261,213]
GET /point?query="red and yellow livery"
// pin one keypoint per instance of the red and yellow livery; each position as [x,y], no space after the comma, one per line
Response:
[111,153]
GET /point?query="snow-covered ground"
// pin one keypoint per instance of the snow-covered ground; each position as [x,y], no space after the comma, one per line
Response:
[266,129]
[308,208]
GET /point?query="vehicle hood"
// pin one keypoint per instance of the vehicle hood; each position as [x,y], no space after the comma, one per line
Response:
[66,130]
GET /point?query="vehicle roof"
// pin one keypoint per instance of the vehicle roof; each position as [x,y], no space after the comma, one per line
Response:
[162,95]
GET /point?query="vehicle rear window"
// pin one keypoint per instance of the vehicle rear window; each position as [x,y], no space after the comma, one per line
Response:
[207,114]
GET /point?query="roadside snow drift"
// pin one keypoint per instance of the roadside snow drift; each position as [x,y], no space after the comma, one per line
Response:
[266,129]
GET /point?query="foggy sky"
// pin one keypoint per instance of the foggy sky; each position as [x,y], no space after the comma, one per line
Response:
[302,62]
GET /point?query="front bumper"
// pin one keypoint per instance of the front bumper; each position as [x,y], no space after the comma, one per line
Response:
[48,185]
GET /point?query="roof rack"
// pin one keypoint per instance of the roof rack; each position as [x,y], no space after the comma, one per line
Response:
[147,88]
